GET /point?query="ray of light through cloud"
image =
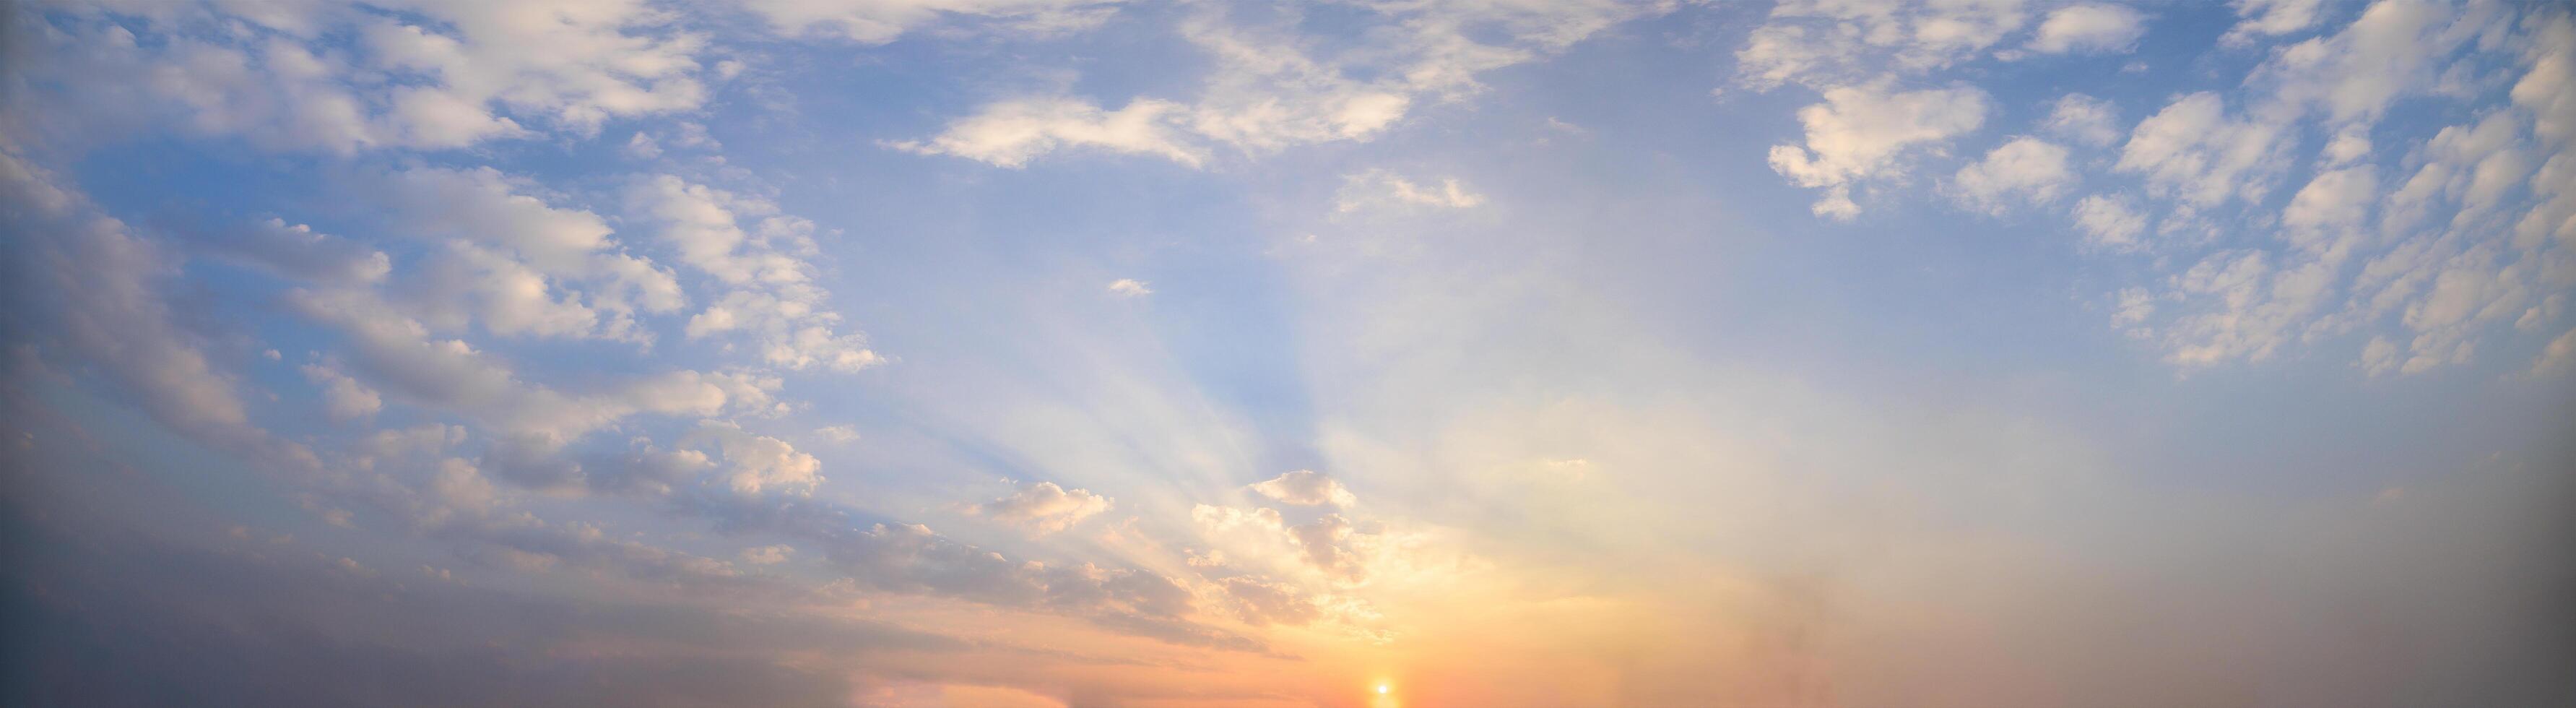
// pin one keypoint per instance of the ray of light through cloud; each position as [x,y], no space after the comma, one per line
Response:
[1366,353]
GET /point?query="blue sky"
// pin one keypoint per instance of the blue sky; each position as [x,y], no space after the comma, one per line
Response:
[1039,352]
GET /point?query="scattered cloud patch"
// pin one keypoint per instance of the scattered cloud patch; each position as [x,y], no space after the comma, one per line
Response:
[1306,488]
[1044,508]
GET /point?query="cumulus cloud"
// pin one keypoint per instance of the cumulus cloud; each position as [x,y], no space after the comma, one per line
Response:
[1044,508]
[752,464]
[2089,28]
[2335,199]
[1332,549]
[770,291]
[399,357]
[281,74]
[343,397]
[1129,287]
[1306,488]
[2084,119]
[2024,170]
[1863,132]
[100,287]
[2110,222]
[510,263]
[2194,151]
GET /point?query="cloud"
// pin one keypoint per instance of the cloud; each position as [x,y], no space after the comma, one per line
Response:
[1263,603]
[97,287]
[1268,89]
[879,22]
[2024,170]
[1826,44]
[2090,28]
[2194,151]
[2272,17]
[2110,222]
[2084,119]
[1381,188]
[507,259]
[2558,357]
[1010,133]
[2392,50]
[767,555]
[298,253]
[2335,199]
[1864,132]
[1306,488]
[1044,508]
[1129,287]
[343,397]
[770,290]
[401,358]
[283,75]
[755,464]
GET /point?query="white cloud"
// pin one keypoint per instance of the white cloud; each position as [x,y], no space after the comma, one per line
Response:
[1378,188]
[2335,199]
[2023,170]
[1268,89]
[2558,357]
[2272,17]
[767,555]
[2393,50]
[2084,119]
[343,397]
[400,358]
[468,72]
[1863,132]
[2193,151]
[1823,43]
[1330,547]
[772,295]
[1129,287]
[1306,488]
[1044,508]
[1009,133]
[753,464]
[2110,222]
[2091,28]
[2349,145]
[460,486]
[871,22]
[507,256]
[101,287]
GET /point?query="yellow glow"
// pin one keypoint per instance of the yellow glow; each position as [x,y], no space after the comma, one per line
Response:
[1381,689]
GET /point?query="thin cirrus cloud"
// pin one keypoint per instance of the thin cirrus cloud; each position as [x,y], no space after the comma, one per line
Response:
[613,352]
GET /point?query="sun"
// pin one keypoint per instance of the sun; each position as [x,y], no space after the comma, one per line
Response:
[1381,689]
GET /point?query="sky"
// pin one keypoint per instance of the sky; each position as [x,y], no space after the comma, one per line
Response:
[1976,353]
